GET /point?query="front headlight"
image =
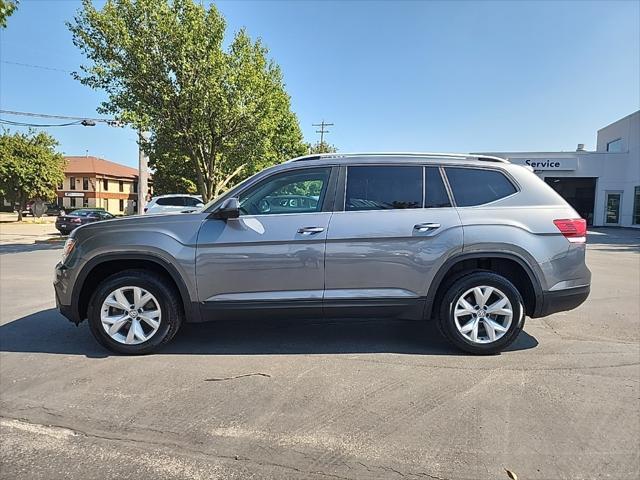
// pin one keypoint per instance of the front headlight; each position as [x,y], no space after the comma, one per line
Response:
[68,248]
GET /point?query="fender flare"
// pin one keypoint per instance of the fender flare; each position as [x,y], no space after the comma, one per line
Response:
[449,263]
[191,313]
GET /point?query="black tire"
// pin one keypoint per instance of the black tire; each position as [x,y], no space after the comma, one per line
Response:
[446,322]
[161,289]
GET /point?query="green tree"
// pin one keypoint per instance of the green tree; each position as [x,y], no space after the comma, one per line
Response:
[7,7]
[223,112]
[29,167]
[321,147]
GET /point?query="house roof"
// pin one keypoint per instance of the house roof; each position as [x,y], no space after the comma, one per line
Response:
[99,166]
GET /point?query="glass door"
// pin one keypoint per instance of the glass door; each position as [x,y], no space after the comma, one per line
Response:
[612,208]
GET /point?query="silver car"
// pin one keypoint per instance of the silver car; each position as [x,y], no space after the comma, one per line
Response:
[474,243]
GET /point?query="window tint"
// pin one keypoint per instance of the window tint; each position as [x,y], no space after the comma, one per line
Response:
[383,188]
[191,202]
[173,201]
[435,195]
[474,186]
[299,191]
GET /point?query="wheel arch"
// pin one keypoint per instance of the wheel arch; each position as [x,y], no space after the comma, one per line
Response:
[102,266]
[460,265]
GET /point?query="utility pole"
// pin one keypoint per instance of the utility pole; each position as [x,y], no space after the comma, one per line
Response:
[322,130]
[143,172]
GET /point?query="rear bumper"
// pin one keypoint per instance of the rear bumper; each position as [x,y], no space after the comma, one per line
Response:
[562,300]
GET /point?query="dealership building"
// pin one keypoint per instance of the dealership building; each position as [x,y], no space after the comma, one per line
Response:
[603,186]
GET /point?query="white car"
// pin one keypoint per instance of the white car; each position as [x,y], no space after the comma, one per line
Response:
[174,203]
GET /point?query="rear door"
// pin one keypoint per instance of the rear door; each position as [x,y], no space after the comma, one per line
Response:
[393,228]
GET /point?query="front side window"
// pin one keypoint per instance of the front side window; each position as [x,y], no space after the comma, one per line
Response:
[636,206]
[297,191]
[383,187]
[476,186]
[435,193]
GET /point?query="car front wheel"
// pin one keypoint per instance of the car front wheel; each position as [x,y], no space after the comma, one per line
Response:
[482,313]
[134,312]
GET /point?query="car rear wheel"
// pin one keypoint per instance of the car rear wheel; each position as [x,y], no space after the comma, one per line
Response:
[134,312]
[482,313]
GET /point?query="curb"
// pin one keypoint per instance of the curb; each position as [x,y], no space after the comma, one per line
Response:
[51,240]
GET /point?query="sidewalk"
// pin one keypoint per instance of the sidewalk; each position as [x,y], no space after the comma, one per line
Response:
[28,231]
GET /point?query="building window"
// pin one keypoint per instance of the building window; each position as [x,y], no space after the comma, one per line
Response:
[61,185]
[61,202]
[72,202]
[85,183]
[135,187]
[105,184]
[72,183]
[614,146]
[85,202]
[121,206]
[106,204]
[121,185]
[636,206]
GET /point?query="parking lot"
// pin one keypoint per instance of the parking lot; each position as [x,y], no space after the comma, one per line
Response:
[323,400]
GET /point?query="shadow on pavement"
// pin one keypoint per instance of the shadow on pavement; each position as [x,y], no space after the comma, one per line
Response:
[621,239]
[49,332]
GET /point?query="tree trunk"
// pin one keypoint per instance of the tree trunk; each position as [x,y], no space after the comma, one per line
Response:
[22,204]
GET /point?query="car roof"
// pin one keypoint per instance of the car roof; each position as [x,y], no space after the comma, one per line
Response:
[410,157]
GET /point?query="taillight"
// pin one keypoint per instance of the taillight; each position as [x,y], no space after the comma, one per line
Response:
[574,229]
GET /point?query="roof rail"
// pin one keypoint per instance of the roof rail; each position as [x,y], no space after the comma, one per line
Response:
[460,156]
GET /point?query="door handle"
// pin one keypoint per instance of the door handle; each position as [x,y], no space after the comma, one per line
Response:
[426,227]
[310,230]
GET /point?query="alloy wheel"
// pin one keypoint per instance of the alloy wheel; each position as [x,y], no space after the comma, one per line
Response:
[483,314]
[130,315]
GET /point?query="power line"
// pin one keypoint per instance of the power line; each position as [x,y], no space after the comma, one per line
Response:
[322,130]
[23,124]
[108,121]
[41,67]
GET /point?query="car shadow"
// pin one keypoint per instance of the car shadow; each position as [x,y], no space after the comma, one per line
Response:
[49,332]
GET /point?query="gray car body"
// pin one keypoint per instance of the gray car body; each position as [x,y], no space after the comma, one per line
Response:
[362,262]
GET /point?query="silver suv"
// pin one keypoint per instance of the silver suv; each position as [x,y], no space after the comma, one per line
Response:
[474,242]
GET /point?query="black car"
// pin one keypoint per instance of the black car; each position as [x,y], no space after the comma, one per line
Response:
[66,223]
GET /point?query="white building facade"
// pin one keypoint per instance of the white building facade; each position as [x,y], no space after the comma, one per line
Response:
[603,186]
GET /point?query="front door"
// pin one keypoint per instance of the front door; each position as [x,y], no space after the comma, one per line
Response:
[272,256]
[612,208]
[395,229]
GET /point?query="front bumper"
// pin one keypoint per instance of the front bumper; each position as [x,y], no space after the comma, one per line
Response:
[61,287]
[563,300]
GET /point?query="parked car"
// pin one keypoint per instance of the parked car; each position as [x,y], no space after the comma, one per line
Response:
[174,203]
[67,223]
[53,209]
[473,242]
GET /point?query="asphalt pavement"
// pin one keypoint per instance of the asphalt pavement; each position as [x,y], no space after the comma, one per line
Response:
[353,399]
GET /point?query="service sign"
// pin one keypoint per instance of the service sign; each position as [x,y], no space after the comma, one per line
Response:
[73,194]
[547,163]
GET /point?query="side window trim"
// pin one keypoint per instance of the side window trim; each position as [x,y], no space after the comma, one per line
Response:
[327,200]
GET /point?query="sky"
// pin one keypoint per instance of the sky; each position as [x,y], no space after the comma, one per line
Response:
[458,76]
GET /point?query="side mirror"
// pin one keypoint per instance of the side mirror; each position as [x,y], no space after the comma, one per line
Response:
[230,208]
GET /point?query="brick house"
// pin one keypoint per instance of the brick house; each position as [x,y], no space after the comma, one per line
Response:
[95,182]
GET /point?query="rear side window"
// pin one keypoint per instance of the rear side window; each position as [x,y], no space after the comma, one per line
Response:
[474,186]
[435,193]
[174,201]
[383,188]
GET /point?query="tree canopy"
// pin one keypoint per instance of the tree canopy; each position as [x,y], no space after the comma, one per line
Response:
[7,7]
[321,147]
[30,168]
[217,114]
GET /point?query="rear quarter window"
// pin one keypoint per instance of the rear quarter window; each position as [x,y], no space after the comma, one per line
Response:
[476,186]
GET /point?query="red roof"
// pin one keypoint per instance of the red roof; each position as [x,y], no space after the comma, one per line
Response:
[99,166]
